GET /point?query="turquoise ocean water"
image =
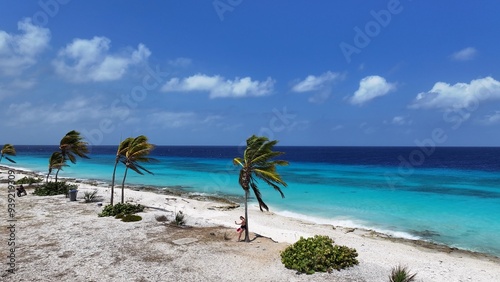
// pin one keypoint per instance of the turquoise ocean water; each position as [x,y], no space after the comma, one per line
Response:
[448,196]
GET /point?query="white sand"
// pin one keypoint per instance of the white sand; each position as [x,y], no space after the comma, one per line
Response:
[61,240]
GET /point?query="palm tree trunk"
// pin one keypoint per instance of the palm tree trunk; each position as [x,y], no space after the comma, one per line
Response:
[123,185]
[247,237]
[113,182]
[57,172]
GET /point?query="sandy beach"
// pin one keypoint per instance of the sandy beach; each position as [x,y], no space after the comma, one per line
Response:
[59,239]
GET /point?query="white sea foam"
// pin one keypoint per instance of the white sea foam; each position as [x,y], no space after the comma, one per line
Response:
[347,222]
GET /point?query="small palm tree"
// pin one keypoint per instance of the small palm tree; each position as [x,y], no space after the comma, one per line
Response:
[56,161]
[8,150]
[120,155]
[72,145]
[257,163]
[137,152]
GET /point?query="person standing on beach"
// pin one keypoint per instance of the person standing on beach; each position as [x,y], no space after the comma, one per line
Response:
[243,226]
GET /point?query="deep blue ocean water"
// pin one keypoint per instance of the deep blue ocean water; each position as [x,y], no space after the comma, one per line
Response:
[447,195]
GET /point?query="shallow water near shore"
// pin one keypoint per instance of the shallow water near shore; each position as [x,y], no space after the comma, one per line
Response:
[448,196]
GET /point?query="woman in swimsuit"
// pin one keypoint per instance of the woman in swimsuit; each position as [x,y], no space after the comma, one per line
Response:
[243,226]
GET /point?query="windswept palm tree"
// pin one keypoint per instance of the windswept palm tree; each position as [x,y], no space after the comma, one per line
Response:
[137,152]
[72,145]
[120,155]
[257,163]
[8,150]
[56,161]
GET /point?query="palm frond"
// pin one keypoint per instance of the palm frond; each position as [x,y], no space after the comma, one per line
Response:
[256,191]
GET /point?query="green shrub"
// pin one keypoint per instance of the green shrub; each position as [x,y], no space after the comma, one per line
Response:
[90,196]
[318,254]
[401,274]
[179,218]
[131,218]
[54,188]
[120,208]
[28,180]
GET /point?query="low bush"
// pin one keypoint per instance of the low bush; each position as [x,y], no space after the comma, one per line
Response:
[318,254]
[401,274]
[54,188]
[120,208]
[131,218]
[28,180]
[90,196]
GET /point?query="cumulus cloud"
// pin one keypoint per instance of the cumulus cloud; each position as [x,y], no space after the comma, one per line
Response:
[314,83]
[459,95]
[464,55]
[219,87]
[89,60]
[19,51]
[370,88]
[321,85]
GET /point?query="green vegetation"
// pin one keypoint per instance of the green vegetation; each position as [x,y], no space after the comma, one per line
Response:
[54,188]
[8,150]
[28,180]
[257,163]
[131,218]
[318,254]
[136,151]
[401,274]
[120,208]
[56,161]
[120,155]
[90,196]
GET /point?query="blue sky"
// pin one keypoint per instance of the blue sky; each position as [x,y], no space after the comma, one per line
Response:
[333,73]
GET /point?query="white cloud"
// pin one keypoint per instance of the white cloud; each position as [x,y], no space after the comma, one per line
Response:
[465,54]
[180,62]
[19,52]
[78,109]
[219,87]
[314,83]
[400,120]
[491,119]
[182,119]
[89,60]
[459,95]
[371,87]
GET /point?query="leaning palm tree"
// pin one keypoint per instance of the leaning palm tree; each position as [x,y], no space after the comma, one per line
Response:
[257,163]
[72,145]
[137,152]
[8,150]
[120,154]
[56,161]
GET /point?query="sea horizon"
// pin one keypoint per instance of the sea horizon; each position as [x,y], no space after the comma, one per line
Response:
[449,197]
